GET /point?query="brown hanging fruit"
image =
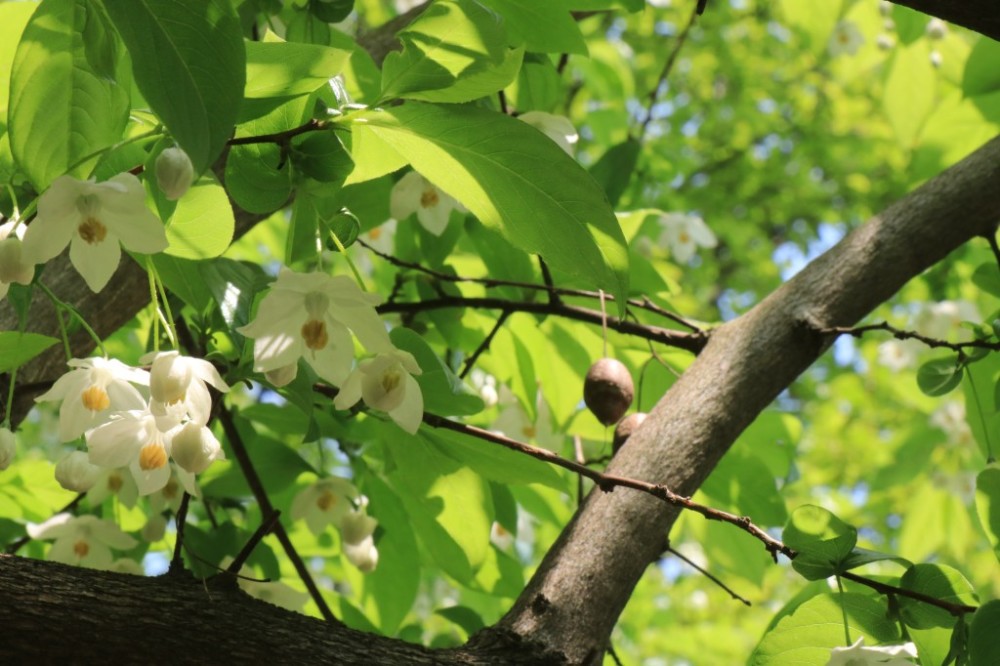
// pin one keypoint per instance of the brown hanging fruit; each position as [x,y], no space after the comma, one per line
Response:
[625,428]
[608,390]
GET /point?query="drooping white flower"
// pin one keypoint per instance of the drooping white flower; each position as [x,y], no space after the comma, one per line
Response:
[8,447]
[174,173]
[846,39]
[324,503]
[363,555]
[177,386]
[117,482]
[899,355]
[944,319]
[310,315]
[683,234]
[75,472]
[194,448]
[133,440]
[886,655]
[557,128]
[13,266]
[415,194]
[92,391]
[386,383]
[81,540]
[93,219]
[356,532]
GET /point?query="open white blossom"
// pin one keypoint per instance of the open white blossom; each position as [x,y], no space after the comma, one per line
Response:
[8,447]
[92,391]
[415,194]
[557,128]
[310,315]
[683,234]
[899,355]
[943,320]
[76,473]
[116,482]
[177,386]
[13,266]
[515,422]
[846,39]
[93,219]
[174,173]
[324,503]
[81,540]
[386,383]
[194,448]
[134,440]
[886,655]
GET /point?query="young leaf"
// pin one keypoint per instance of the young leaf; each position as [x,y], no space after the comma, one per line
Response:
[938,581]
[940,376]
[190,64]
[822,540]
[202,225]
[539,198]
[286,69]
[16,349]
[984,648]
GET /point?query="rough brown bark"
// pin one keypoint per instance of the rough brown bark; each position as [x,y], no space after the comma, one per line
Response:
[979,15]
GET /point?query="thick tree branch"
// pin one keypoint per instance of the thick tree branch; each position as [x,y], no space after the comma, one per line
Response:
[978,15]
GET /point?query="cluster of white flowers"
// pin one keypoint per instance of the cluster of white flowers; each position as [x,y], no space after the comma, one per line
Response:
[311,316]
[846,39]
[940,321]
[101,400]
[684,234]
[335,501]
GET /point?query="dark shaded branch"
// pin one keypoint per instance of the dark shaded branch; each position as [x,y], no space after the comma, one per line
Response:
[978,15]
[900,334]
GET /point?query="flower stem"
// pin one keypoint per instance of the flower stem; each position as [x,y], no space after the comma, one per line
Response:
[168,320]
[10,398]
[61,306]
[343,251]
[843,611]
[154,302]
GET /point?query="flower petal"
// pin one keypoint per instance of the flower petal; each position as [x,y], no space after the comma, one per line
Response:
[404,200]
[96,262]
[410,413]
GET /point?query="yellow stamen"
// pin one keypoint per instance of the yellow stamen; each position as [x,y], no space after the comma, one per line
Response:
[92,231]
[152,456]
[528,431]
[429,198]
[375,233]
[95,399]
[314,334]
[326,501]
[391,380]
[81,548]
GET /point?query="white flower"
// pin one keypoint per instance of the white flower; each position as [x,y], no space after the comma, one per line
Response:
[91,392]
[846,39]
[356,530]
[859,655]
[940,320]
[75,472]
[194,448]
[684,234]
[485,385]
[13,266]
[515,422]
[174,173]
[168,498]
[133,440]
[93,218]
[899,355]
[177,385]
[117,482]
[884,41]
[84,540]
[308,315]
[8,447]
[386,383]
[363,555]
[557,128]
[936,29]
[415,194]
[324,503]
[154,529]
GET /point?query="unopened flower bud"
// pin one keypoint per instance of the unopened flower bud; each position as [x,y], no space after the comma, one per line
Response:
[356,526]
[169,377]
[7,447]
[363,555]
[194,448]
[75,472]
[174,173]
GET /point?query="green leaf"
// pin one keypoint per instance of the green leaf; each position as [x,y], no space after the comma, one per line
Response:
[987,277]
[988,505]
[499,169]
[614,170]
[288,69]
[862,556]
[454,52]
[342,225]
[909,91]
[182,278]
[331,11]
[464,617]
[822,540]
[817,626]
[910,24]
[545,27]
[444,393]
[940,376]
[61,110]
[984,648]
[938,581]
[981,75]
[258,177]
[495,462]
[202,224]
[322,157]
[13,18]
[16,349]
[233,285]
[190,64]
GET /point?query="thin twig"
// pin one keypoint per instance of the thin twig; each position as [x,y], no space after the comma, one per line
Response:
[884,588]
[708,575]
[279,137]
[241,557]
[484,345]
[900,334]
[180,519]
[665,72]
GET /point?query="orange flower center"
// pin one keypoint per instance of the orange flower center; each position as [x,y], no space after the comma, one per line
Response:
[528,431]
[115,482]
[152,456]
[92,231]
[95,399]
[314,333]
[326,501]
[81,548]
[429,198]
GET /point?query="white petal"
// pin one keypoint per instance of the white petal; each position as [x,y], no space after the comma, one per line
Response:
[52,528]
[435,218]
[96,262]
[206,372]
[108,533]
[404,200]
[410,413]
[149,480]
[117,443]
[56,222]
[333,362]
[350,391]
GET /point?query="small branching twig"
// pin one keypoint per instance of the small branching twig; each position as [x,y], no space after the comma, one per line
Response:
[177,562]
[900,334]
[708,575]
[668,65]
[484,345]
[265,527]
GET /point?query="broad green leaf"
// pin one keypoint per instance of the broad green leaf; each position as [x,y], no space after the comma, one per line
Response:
[16,349]
[373,157]
[932,644]
[322,157]
[537,85]
[331,11]
[742,483]
[181,277]
[822,540]
[287,69]
[806,637]
[909,91]
[454,52]
[987,278]
[814,20]
[500,575]
[538,197]
[988,505]
[258,177]
[233,285]
[984,648]
[938,581]
[495,462]
[909,24]
[444,393]
[61,110]
[202,225]
[614,169]
[189,62]
[862,556]
[545,27]
[981,74]
[13,18]
[464,617]
[940,376]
